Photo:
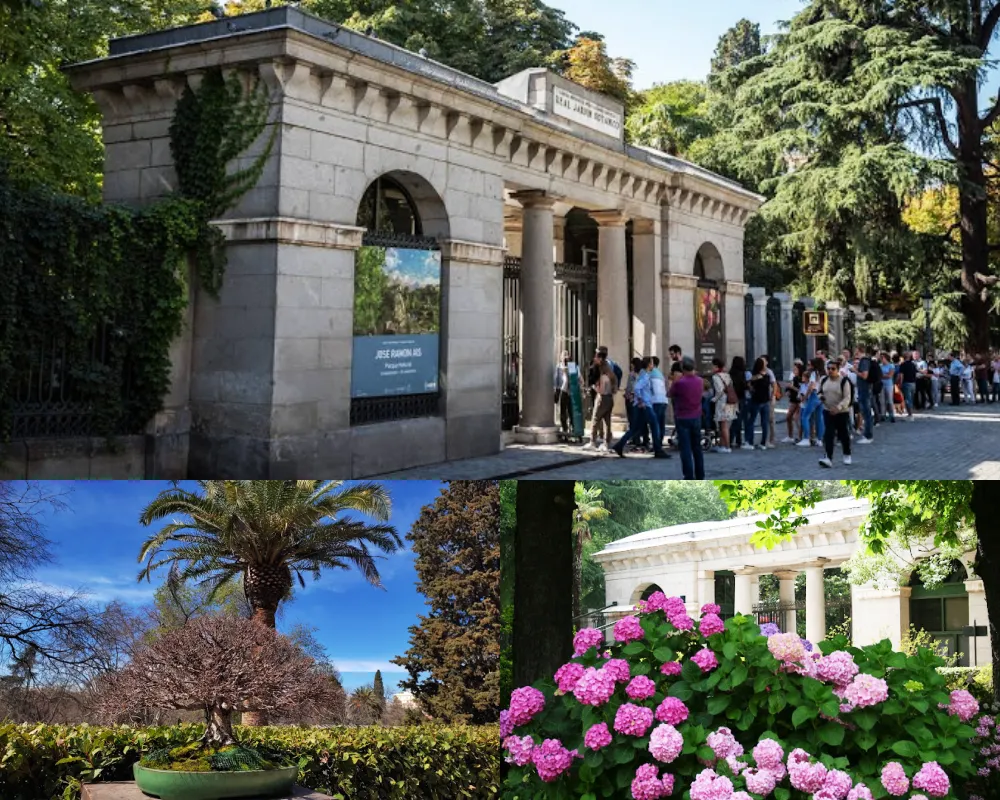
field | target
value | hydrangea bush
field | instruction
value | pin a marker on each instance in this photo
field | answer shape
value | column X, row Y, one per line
column 713, row 710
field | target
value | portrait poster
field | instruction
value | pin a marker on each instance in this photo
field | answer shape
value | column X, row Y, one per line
column 708, row 327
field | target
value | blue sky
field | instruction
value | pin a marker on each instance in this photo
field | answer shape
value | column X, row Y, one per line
column 97, row 539
column 675, row 39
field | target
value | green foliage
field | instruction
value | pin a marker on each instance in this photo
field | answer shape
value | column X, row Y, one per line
column 915, row 640
column 48, row 762
column 670, row 117
column 890, row 334
column 978, row 681
column 751, row 694
column 71, row 281
column 737, row 45
column 212, row 125
column 508, row 523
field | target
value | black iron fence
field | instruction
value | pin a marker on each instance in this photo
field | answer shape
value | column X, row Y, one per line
column 787, row 615
column 774, row 337
column 800, row 344
column 751, row 348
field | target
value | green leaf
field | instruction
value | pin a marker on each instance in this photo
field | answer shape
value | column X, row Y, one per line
column 803, row 714
column 781, row 793
column 633, row 649
column 690, row 672
column 776, row 702
column 664, row 654
column 706, row 753
column 865, row 719
column 906, row 748
column 740, row 674
column 832, row 734
column 896, row 660
column 865, row 739
column 681, row 690
column 730, row 649
column 719, row 703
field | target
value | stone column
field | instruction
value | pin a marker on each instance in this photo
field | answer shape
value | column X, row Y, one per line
column 744, row 593
column 647, row 322
column 815, row 605
column 787, row 334
column 538, row 303
column 706, row 586
column 979, row 648
column 735, row 320
column 612, row 285
column 678, row 310
column 836, row 315
column 559, row 239
column 786, row 596
column 759, row 324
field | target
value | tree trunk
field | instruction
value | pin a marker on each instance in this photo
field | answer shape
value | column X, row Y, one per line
column 543, row 579
column 218, row 727
column 986, row 508
column 577, row 573
column 265, row 616
column 974, row 219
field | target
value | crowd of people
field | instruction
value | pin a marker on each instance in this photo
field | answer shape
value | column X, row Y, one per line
column 830, row 398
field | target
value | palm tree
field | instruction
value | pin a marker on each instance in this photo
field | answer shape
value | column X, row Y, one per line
column 366, row 705
column 588, row 509
column 265, row 531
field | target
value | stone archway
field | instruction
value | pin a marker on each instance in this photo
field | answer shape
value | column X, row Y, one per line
column 643, row 592
column 709, row 307
column 398, row 335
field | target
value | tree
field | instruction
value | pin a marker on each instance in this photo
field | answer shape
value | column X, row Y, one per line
column 671, row 117
column 454, row 653
column 364, row 707
column 737, row 45
column 379, row 688
column 587, row 63
column 543, row 579
column 589, row 508
column 218, row 665
column 265, row 531
column 942, row 510
column 521, row 34
column 862, row 104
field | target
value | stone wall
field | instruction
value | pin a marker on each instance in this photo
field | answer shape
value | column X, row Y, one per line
column 124, row 458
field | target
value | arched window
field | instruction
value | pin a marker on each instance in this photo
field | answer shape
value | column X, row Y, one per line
column 943, row 611
column 387, row 208
column 650, row 591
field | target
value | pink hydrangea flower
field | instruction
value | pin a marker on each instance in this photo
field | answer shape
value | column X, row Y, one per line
column 671, row 668
column 628, row 629
column 598, row 736
column 711, row 608
column 710, row 786
column 519, row 749
column 567, row 675
column 524, row 704
column 894, row 779
column 932, row 779
column 963, row 705
column 760, row 781
column 735, row 765
column 741, row 795
column 722, row 742
column 705, row 659
column 786, row 647
column 837, row 784
column 866, row 690
column 860, row 792
column 657, row 601
column 595, row 687
column 682, row 622
column 665, row 743
column 924, row 797
column 711, row 623
column 837, row 668
column 806, row 777
column 551, row 759
column 585, row 639
column 640, row 688
column 768, row 754
column 648, row 786
column 672, row 711
column 674, row 605
column 618, row 669
column 633, row 720
column 506, row 726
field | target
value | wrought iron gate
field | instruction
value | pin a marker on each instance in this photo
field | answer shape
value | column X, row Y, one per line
column 774, row 337
column 575, row 321
column 800, row 346
column 749, row 329
column 838, row 613
column 851, row 330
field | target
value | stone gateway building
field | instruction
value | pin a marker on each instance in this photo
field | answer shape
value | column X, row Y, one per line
column 420, row 246
column 714, row 562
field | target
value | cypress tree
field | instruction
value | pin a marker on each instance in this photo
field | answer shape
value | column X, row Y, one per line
column 379, row 691
column 454, row 655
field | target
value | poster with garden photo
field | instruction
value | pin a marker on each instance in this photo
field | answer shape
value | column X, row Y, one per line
column 397, row 322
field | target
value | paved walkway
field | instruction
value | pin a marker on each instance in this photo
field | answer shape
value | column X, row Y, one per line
column 946, row 443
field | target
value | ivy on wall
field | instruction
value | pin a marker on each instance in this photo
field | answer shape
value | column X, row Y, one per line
column 93, row 295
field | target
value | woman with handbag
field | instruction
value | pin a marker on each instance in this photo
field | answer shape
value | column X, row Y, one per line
column 727, row 403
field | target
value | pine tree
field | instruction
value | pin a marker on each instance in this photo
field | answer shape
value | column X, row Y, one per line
column 379, row 691
column 454, row 655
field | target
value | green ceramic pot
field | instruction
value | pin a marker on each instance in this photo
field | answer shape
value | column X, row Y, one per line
column 170, row 784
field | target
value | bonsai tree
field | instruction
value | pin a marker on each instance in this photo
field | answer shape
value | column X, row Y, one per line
column 219, row 665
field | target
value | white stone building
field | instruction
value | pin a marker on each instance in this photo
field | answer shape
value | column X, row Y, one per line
column 520, row 187
column 714, row 562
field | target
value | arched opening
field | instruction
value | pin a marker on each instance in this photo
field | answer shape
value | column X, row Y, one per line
column 709, row 308
column 650, row 591
column 397, row 301
column 643, row 592
column 725, row 593
column 943, row 611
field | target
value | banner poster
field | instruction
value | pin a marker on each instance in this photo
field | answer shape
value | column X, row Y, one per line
column 397, row 322
column 708, row 327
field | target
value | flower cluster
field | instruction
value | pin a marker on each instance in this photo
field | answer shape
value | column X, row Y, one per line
column 647, row 785
column 665, row 743
column 628, row 629
column 963, row 705
column 585, row 639
column 672, row 607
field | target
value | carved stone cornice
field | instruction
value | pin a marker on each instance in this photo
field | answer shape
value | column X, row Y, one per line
column 472, row 252
column 290, row 230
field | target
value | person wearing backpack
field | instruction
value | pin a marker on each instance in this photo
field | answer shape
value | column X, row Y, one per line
column 864, row 372
column 727, row 403
column 837, row 395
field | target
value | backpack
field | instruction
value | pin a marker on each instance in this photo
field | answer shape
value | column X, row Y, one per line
column 617, row 370
column 874, row 373
column 731, row 398
column 843, row 380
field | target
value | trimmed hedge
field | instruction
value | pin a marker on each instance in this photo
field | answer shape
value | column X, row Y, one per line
column 48, row 762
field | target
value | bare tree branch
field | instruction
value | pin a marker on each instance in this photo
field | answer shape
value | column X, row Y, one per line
column 935, row 105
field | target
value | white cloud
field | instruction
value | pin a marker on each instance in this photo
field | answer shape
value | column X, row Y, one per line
column 99, row 588
column 361, row 665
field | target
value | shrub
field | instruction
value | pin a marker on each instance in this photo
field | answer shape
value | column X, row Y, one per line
column 668, row 696
column 48, row 762
column 977, row 680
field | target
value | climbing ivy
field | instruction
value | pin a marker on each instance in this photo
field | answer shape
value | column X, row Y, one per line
column 93, row 295
column 212, row 126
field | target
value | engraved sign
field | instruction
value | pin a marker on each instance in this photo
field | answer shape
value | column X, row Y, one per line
column 815, row 323
column 586, row 112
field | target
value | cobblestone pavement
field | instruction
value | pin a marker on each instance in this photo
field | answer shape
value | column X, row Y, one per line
column 946, row 443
